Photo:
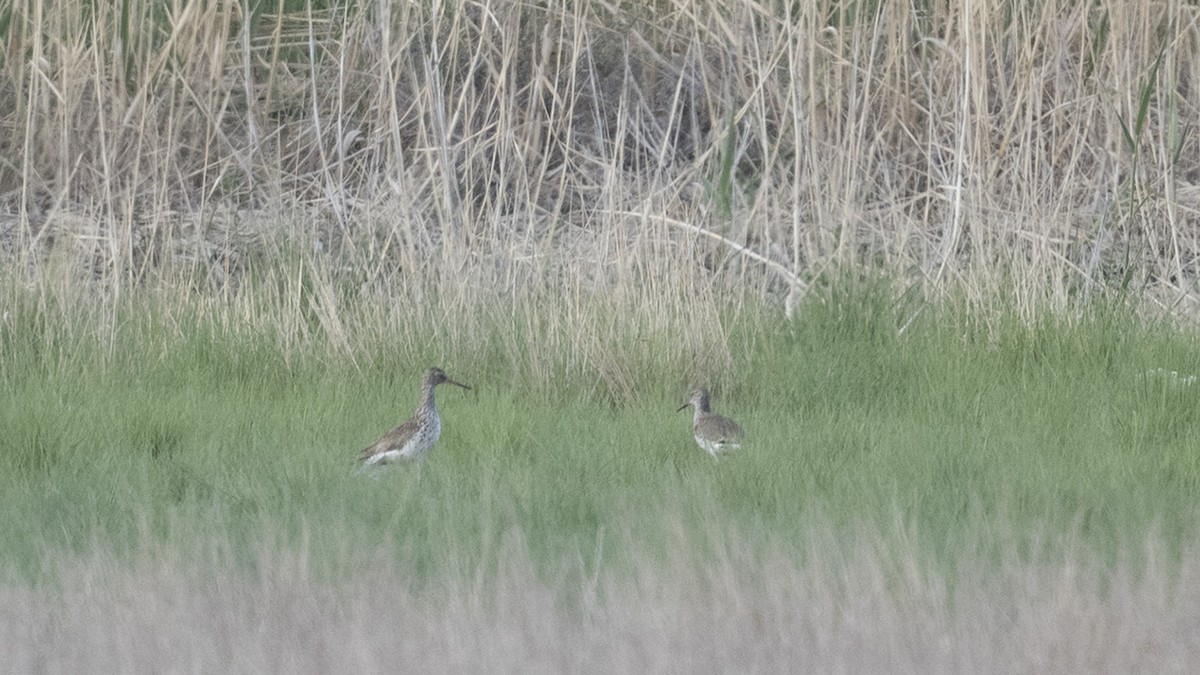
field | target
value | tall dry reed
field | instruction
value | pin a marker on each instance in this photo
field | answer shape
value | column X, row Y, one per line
column 667, row 160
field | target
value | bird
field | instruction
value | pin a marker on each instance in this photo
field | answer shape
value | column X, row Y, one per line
column 412, row 439
column 714, row 433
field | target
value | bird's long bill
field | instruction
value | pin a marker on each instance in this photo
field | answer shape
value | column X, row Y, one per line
column 460, row 384
column 683, row 406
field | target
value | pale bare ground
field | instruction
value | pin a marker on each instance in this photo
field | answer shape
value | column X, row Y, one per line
column 844, row 606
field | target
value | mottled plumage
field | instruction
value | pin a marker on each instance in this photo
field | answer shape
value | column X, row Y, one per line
column 714, row 433
column 413, row 438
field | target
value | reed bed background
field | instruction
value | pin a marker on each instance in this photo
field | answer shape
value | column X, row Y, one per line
column 450, row 156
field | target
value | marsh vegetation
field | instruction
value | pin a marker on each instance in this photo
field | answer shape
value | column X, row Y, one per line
column 938, row 259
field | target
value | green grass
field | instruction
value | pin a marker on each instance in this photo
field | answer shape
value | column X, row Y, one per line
column 193, row 435
column 187, row 435
column 975, row 481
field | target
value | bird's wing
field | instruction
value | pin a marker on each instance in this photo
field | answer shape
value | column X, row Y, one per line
column 731, row 432
column 392, row 440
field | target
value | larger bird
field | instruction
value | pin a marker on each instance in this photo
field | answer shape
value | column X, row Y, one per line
column 413, row 438
column 714, row 433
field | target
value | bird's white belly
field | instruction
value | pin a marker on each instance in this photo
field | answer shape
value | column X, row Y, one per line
column 423, row 440
column 715, row 447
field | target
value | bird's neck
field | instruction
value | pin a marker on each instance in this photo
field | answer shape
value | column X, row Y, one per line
column 427, row 397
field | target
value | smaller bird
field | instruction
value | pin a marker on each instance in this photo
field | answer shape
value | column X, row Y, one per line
column 413, row 438
column 714, row 433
